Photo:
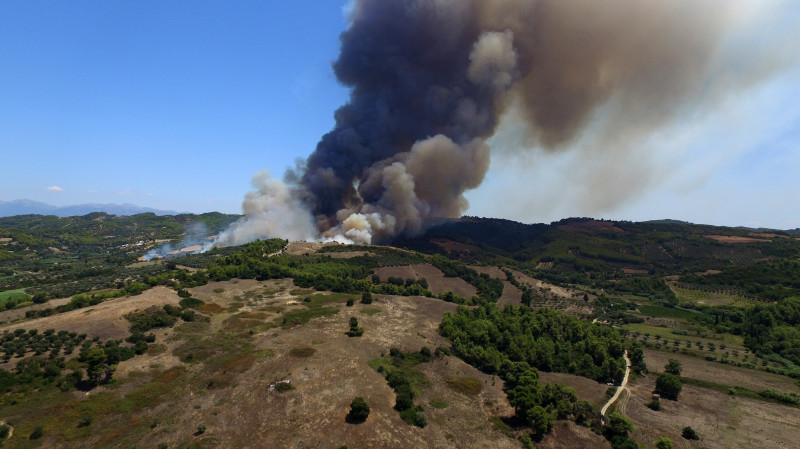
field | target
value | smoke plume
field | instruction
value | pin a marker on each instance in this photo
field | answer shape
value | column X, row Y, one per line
column 430, row 81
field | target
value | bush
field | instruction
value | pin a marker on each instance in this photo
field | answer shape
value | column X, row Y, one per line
column 366, row 298
column 85, row 421
column 359, row 411
column 526, row 441
column 654, row 405
column 420, row 420
column 663, row 443
column 37, row 433
column 690, row 433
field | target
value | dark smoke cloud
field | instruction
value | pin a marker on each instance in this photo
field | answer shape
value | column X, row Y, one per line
column 430, row 81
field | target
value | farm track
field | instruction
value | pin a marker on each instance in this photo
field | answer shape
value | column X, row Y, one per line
column 621, row 387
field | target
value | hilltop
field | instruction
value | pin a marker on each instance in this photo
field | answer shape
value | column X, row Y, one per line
column 479, row 333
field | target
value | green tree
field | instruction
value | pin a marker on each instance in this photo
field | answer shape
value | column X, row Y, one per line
column 663, row 443
column 668, row 385
column 673, row 367
column 542, row 421
column 97, row 368
column 359, row 411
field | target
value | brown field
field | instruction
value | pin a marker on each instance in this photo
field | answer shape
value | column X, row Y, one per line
column 634, row 271
column 437, row 283
column 451, row 246
column 721, row 420
column 104, row 320
column 495, row 272
column 735, row 239
column 536, row 283
column 734, row 376
column 511, row 295
column 568, row 435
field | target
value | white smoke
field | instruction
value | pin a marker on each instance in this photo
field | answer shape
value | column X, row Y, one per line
column 271, row 210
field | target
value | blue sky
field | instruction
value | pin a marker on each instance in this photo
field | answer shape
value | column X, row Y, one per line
column 175, row 105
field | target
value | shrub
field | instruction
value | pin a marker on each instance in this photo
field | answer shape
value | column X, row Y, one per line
column 366, row 298
column 420, row 420
column 655, row 405
column 37, row 433
column 85, row 421
column 690, row 433
column 663, row 443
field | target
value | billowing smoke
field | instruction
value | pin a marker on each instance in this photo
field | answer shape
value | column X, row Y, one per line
column 194, row 241
column 431, row 80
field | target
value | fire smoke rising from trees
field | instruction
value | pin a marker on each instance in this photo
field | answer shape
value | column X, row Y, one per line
column 431, row 80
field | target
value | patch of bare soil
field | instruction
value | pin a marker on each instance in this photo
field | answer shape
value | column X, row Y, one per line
column 708, row 272
column 734, row 376
column 511, row 295
column 587, row 389
column 437, row 282
column 722, row 421
column 735, row 239
column 105, row 320
column 536, row 283
column 634, row 271
column 568, row 435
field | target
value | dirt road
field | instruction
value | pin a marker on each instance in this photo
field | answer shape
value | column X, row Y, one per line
column 621, row 387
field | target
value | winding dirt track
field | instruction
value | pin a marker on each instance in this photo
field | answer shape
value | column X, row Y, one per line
column 621, row 387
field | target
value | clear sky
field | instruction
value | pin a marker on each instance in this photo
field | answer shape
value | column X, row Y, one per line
column 176, row 104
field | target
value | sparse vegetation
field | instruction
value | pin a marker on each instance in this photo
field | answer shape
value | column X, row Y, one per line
column 684, row 296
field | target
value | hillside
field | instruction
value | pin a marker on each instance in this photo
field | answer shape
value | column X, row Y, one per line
column 481, row 333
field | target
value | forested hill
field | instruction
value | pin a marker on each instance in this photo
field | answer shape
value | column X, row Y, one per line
column 585, row 244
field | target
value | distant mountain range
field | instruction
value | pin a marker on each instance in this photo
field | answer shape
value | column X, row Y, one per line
column 28, row 207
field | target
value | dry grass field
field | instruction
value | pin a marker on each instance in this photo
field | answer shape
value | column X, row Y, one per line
column 733, row 376
column 221, row 374
column 721, row 420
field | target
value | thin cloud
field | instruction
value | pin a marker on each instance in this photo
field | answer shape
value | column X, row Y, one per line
column 126, row 192
column 55, row 189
